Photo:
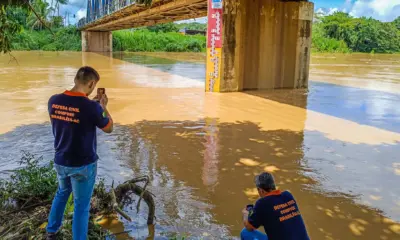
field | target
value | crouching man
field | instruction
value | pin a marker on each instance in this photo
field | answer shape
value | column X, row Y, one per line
column 276, row 211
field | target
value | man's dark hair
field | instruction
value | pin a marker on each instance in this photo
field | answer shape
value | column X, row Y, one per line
column 86, row 74
column 265, row 181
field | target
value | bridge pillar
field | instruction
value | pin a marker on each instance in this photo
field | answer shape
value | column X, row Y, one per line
column 96, row 41
column 258, row 44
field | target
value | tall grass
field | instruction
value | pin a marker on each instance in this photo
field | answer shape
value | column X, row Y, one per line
column 146, row 41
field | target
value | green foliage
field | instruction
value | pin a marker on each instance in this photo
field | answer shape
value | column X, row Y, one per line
column 321, row 43
column 34, row 184
column 146, row 41
column 56, row 22
column 166, row 27
column 65, row 39
column 69, row 208
column 9, row 27
column 336, row 31
column 43, row 10
column 396, row 23
column 192, row 26
column 12, row 2
column 18, row 14
column 31, row 183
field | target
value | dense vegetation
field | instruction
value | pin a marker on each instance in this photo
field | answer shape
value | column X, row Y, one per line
column 338, row 32
column 145, row 40
column 16, row 14
column 25, row 200
column 31, row 33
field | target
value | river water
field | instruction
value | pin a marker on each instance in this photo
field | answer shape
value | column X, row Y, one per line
column 335, row 147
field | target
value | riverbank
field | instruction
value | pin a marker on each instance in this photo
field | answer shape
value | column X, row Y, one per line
column 144, row 40
column 27, row 196
column 69, row 39
column 336, row 33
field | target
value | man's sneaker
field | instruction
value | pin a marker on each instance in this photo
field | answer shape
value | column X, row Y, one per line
column 51, row 236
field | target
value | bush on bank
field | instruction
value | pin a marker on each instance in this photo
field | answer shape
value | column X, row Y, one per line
column 64, row 39
column 146, row 41
column 25, row 201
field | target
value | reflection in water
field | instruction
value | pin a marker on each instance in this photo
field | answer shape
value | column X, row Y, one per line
column 192, row 70
column 210, row 167
column 335, row 147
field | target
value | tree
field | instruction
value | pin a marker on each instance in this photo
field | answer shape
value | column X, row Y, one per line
column 193, row 26
column 43, row 10
column 165, row 27
column 9, row 23
column 359, row 34
column 396, row 22
column 8, row 29
column 58, row 3
column 56, row 22
column 19, row 14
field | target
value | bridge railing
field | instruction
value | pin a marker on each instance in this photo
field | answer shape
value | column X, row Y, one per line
column 101, row 9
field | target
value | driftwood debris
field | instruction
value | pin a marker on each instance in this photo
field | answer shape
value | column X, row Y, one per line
column 123, row 191
column 27, row 222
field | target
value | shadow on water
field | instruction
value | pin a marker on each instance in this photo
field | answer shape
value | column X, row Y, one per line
column 363, row 106
column 202, row 175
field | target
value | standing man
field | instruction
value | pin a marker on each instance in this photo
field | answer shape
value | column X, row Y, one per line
column 276, row 211
column 74, row 118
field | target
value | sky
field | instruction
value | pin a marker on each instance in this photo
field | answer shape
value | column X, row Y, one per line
column 384, row 10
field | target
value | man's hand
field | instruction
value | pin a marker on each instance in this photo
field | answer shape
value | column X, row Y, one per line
column 104, row 101
column 246, row 223
column 245, row 214
column 103, row 104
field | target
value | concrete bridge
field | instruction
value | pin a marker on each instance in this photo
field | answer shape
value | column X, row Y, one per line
column 251, row 44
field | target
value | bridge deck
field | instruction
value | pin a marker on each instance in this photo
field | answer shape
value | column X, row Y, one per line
column 161, row 11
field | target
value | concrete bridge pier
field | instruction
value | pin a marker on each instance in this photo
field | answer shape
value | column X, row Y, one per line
column 96, row 41
column 258, row 44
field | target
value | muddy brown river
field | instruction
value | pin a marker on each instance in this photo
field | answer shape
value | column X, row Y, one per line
column 336, row 147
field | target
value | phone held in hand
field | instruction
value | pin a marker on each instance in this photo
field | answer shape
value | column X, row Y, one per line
column 250, row 207
column 100, row 93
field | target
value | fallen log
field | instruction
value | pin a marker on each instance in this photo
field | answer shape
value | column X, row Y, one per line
column 123, row 190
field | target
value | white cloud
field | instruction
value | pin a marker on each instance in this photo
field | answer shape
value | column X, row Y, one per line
column 74, row 7
column 384, row 10
column 333, row 10
column 328, row 11
column 81, row 13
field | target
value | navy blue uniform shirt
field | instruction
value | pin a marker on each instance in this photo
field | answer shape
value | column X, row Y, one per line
column 279, row 214
column 74, row 119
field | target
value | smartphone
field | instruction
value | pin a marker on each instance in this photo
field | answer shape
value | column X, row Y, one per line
column 100, row 92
